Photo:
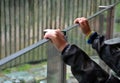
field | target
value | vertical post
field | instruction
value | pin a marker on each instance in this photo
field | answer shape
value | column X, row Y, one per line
column 56, row 69
column 55, row 66
column 109, row 29
column 101, row 21
column 110, row 23
column 109, row 20
column 101, row 28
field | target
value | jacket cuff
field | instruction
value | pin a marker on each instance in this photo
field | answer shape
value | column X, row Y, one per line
column 66, row 48
column 90, row 38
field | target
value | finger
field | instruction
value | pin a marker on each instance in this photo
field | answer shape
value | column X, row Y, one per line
column 77, row 20
column 49, row 34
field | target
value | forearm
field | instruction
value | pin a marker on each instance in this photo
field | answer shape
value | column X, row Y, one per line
column 83, row 68
column 107, row 52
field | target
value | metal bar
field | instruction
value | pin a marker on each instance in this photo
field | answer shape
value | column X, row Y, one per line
column 101, row 19
column 101, row 23
column 25, row 50
column 94, row 15
column 55, row 64
column 110, row 21
column 21, row 52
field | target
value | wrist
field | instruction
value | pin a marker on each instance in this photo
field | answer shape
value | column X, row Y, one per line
column 62, row 47
column 91, row 36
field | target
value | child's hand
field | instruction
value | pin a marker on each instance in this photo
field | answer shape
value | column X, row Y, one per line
column 84, row 25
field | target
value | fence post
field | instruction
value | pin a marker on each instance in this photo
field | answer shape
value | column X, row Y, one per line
column 101, row 20
column 56, row 69
column 110, row 23
column 109, row 29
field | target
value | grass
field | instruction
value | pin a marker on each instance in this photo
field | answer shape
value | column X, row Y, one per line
column 24, row 67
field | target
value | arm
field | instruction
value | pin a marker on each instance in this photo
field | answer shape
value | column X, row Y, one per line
column 108, row 53
column 83, row 68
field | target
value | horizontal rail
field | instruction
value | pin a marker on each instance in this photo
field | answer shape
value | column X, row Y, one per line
column 94, row 15
column 108, row 7
column 23, row 51
column 27, row 49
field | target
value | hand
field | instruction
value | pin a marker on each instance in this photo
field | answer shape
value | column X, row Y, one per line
column 57, row 38
column 84, row 25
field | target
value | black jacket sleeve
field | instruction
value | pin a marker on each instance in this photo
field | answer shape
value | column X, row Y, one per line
column 109, row 53
column 83, row 68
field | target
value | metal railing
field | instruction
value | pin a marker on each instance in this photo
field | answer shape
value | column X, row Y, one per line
column 27, row 49
column 54, row 60
column 49, row 53
column 22, row 21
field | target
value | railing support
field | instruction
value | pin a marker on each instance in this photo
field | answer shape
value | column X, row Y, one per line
column 56, row 69
column 109, row 29
column 110, row 23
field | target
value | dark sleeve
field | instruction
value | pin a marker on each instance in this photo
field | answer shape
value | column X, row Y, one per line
column 108, row 53
column 83, row 68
